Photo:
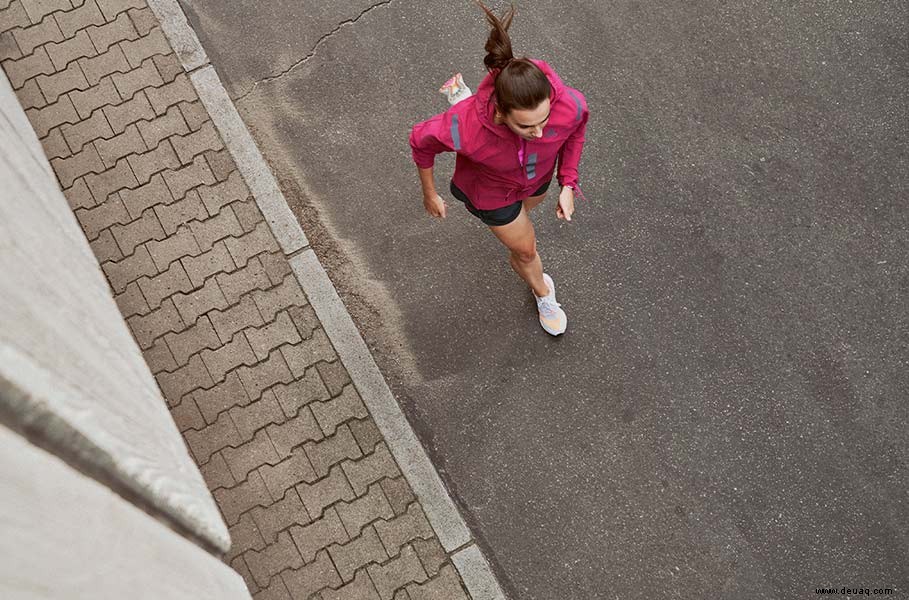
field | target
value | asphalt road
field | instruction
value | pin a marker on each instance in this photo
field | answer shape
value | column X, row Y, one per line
column 727, row 415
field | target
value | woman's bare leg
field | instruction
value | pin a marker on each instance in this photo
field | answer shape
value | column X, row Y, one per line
column 518, row 236
column 532, row 202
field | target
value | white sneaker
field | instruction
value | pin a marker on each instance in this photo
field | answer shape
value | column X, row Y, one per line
column 455, row 90
column 552, row 317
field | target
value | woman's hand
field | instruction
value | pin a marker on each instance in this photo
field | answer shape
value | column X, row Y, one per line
column 435, row 206
column 565, row 208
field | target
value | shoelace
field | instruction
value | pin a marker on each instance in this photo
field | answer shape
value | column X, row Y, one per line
column 549, row 308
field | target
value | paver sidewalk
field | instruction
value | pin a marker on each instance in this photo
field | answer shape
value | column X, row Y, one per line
column 316, row 504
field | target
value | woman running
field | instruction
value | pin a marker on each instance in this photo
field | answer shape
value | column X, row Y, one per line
column 508, row 137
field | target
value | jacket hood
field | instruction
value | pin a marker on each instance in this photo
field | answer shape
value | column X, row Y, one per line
column 485, row 103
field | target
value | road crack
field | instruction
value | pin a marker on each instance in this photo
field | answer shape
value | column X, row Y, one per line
column 312, row 51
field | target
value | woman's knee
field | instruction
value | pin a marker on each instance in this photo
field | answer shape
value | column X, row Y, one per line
column 525, row 254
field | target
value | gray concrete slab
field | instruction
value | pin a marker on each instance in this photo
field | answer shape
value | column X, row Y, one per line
column 726, row 417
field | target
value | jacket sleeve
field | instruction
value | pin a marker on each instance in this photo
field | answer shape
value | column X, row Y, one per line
column 429, row 138
column 570, row 154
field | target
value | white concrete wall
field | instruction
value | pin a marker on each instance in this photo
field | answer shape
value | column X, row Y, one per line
column 71, row 374
column 67, row 537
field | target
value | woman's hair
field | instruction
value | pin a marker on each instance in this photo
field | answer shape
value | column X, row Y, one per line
column 519, row 84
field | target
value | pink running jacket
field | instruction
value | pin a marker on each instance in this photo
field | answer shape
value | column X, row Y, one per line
column 495, row 167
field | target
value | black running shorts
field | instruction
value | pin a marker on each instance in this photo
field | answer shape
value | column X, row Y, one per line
column 498, row 216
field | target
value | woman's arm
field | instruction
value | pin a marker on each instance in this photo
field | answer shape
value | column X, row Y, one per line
column 570, row 154
column 432, row 202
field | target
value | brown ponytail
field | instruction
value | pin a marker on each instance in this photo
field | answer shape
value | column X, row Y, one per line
column 519, row 83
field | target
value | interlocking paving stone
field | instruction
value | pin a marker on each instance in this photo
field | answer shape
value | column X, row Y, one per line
column 132, row 111
column 361, row 588
column 87, row 130
column 313, row 577
column 358, row 553
column 363, row 510
column 187, row 416
column 149, row 327
column 248, row 245
column 248, row 214
column 196, row 303
column 168, row 65
column 301, row 356
column 304, row 317
column 249, row 455
column 228, row 357
column 174, row 247
column 370, row 469
column 138, row 50
column 195, row 114
column 21, row 70
column 334, row 375
column 288, row 473
column 242, row 497
column 146, row 77
column 277, row 590
column 131, row 301
column 30, row 95
column 159, row 358
column 53, row 115
column 118, row 30
column 235, row 318
column 293, row 432
column 273, row 559
column 325, row 492
column 62, row 53
column 195, row 144
column 157, row 288
column 273, row 335
column 446, row 586
column 332, row 450
column 14, row 15
column 9, row 49
column 344, row 407
column 115, row 148
column 121, row 273
column 399, row 494
column 216, row 436
column 246, row 535
column 185, row 379
column 111, row 8
column 402, row 595
column 106, row 63
column 79, row 164
column 227, row 394
column 244, row 280
column 185, row 178
column 105, row 247
column 159, row 128
column 367, row 434
column 278, row 298
column 397, row 573
column 302, row 391
column 88, row 100
column 31, row 37
column 257, row 415
column 68, row 80
column 432, row 554
column 81, row 17
column 38, row 9
column 220, row 161
column 279, row 516
column 153, row 162
column 403, row 529
column 144, row 20
column 137, row 232
column 219, row 227
column 78, row 195
column 112, row 180
column 217, row 260
column 98, row 218
column 179, row 90
column 191, row 340
column 320, row 534
column 231, row 190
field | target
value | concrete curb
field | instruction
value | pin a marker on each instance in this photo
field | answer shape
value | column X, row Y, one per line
column 440, row 509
